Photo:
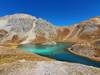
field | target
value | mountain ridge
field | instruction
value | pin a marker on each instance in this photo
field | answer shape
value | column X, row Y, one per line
column 34, row 29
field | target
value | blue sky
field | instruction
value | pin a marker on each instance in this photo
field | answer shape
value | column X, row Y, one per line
column 58, row 12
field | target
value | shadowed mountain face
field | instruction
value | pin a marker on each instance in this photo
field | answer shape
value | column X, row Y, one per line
column 23, row 28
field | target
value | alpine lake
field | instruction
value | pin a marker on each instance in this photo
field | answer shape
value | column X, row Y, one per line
column 58, row 52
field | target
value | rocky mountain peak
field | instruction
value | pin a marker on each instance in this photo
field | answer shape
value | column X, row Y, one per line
column 26, row 25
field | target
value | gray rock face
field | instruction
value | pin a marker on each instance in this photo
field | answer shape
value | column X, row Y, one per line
column 17, row 24
column 47, row 68
column 45, row 27
column 25, row 27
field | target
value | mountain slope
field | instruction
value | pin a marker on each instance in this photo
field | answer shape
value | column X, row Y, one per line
column 86, row 31
column 26, row 28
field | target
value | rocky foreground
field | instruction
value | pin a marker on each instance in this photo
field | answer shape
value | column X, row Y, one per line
column 23, row 67
column 18, row 62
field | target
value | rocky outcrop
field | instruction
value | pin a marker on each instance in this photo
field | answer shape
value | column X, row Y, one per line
column 85, row 51
column 47, row 68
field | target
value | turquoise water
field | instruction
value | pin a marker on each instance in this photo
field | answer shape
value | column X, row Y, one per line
column 58, row 52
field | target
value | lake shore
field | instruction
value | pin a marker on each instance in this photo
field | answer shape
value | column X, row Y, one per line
column 20, row 62
column 8, row 55
column 91, row 58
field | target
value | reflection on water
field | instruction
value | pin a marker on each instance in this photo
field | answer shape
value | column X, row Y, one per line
column 58, row 52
